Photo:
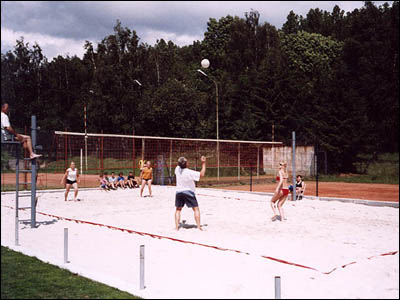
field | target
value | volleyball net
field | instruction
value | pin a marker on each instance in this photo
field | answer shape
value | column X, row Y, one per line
column 96, row 153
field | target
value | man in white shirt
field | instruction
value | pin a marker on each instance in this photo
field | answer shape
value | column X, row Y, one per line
column 185, row 188
column 24, row 139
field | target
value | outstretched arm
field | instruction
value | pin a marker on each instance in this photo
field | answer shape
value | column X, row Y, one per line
column 203, row 166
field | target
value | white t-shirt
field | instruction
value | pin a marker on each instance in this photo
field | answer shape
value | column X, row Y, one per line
column 185, row 179
column 5, row 122
column 72, row 174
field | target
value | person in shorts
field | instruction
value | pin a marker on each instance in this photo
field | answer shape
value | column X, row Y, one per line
column 71, row 178
column 103, row 183
column 131, row 181
column 185, row 189
column 121, row 180
column 6, row 128
column 147, row 177
column 113, row 181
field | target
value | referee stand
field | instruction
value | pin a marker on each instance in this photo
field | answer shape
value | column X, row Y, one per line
column 9, row 139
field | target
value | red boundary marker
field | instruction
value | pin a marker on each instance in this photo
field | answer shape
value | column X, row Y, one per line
column 200, row 244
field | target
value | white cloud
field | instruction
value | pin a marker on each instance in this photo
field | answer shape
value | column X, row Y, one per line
column 151, row 36
column 51, row 46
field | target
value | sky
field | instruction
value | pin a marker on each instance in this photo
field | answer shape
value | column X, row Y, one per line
column 62, row 27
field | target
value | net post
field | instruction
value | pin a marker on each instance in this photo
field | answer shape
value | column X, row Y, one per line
column 34, row 173
column 277, row 287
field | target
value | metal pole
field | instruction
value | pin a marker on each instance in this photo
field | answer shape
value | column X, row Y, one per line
column 143, row 149
column 81, row 160
column 251, row 178
column 85, row 138
column 65, row 245
column 294, row 164
column 316, row 167
column 216, row 97
column 273, row 150
column 33, row 174
column 142, row 267
column 258, row 162
column 16, row 195
column 238, row 161
column 170, row 158
column 277, row 287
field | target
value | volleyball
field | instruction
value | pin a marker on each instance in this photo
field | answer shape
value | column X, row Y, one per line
column 205, row 63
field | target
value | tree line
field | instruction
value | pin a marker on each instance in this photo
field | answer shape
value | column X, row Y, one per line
column 331, row 77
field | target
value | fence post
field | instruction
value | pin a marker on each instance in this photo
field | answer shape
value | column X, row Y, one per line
column 251, row 178
column 294, row 164
column 238, row 161
column 277, row 287
column 142, row 267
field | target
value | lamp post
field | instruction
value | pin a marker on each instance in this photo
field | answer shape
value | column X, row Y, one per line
column 85, row 120
column 216, row 100
column 133, row 118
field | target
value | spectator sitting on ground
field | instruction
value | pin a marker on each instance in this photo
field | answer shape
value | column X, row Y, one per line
column 300, row 185
column 103, row 182
column 131, row 181
column 109, row 184
column 121, row 180
column 113, row 181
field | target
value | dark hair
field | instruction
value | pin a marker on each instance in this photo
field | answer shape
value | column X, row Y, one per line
column 299, row 176
column 3, row 104
column 182, row 162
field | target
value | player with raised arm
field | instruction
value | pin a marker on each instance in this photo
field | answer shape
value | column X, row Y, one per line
column 185, row 189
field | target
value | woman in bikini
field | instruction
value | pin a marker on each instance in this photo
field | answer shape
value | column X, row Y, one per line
column 281, row 192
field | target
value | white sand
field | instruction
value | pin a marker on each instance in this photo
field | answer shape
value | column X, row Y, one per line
column 318, row 234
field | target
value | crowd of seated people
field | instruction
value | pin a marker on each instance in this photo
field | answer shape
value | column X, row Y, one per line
column 113, row 182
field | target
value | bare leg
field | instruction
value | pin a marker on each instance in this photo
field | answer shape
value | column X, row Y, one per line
column 68, row 186
column 177, row 217
column 142, row 187
column 27, row 144
column 280, row 208
column 149, row 185
column 196, row 211
column 75, row 185
column 274, row 200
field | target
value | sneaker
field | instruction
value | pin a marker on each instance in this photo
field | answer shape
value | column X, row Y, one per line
column 34, row 155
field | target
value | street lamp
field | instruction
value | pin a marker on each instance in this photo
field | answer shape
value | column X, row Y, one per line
column 216, row 100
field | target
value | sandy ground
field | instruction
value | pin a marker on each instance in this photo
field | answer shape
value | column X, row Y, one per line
column 318, row 234
column 379, row 192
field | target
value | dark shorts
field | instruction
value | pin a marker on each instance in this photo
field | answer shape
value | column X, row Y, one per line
column 147, row 179
column 186, row 197
column 70, row 182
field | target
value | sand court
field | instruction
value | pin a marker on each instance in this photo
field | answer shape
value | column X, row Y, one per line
column 238, row 254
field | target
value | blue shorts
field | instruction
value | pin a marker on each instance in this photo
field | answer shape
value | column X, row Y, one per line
column 185, row 197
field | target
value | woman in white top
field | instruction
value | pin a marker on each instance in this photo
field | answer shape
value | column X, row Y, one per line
column 71, row 177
